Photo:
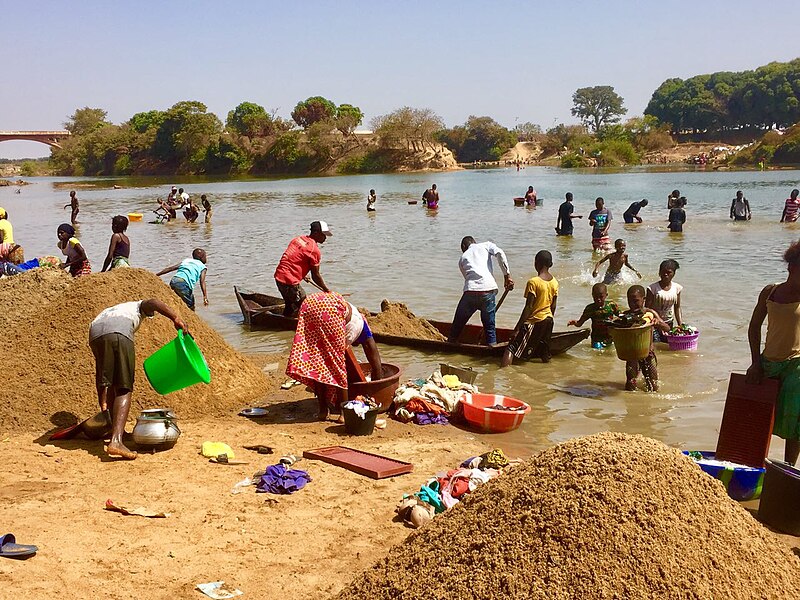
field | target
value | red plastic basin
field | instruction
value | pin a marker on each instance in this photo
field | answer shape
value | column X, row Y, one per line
column 478, row 412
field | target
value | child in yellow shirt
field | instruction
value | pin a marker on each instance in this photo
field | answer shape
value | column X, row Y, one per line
column 531, row 337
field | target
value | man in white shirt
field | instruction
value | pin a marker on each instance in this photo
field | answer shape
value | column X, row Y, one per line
column 111, row 340
column 480, row 288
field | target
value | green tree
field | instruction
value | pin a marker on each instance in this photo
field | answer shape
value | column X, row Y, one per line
column 480, row 138
column 183, row 138
column 597, row 106
column 250, row 119
column 85, row 120
column 313, row 110
column 141, row 122
column 348, row 117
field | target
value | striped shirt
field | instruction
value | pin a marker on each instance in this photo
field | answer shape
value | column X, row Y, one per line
column 791, row 210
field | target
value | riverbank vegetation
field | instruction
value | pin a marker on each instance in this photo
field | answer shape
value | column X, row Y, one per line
column 323, row 137
column 762, row 99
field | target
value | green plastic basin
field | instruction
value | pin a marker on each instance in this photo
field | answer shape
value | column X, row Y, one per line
column 176, row 365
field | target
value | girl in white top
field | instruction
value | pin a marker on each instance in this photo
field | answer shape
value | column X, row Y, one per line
column 664, row 296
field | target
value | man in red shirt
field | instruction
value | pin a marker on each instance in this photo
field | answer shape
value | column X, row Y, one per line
column 301, row 257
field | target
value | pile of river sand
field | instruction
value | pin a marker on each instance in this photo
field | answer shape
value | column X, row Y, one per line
column 48, row 367
column 396, row 319
column 605, row 516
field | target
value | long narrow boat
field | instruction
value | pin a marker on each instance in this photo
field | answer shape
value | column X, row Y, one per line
column 261, row 311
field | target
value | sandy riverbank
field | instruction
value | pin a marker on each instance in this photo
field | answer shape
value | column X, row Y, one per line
column 307, row 545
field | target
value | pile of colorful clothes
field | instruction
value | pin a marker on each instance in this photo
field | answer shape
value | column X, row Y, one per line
column 445, row 490
column 430, row 401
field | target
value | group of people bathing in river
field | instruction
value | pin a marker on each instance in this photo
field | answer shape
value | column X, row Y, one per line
column 176, row 199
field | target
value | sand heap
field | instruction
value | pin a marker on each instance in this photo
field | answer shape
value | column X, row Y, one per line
column 605, row 516
column 396, row 319
column 48, row 366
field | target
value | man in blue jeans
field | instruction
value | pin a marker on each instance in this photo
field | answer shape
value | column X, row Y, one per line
column 480, row 288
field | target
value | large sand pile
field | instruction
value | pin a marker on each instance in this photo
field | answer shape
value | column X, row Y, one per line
column 47, row 365
column 396, row 319
column 605, row 516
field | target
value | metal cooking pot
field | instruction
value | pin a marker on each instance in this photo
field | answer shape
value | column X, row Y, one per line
column 156, row 427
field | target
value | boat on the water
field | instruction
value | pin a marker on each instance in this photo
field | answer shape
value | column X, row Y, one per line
column 261, row 311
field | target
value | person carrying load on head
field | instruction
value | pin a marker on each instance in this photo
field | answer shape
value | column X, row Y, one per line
column 301, row 257
column 327, row 325
column 480, row 287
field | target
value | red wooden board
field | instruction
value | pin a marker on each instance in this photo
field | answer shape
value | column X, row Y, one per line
column 354, row 372
column 746, row 428
column 363, row 463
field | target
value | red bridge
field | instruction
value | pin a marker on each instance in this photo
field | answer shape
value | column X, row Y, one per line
column 51, row 138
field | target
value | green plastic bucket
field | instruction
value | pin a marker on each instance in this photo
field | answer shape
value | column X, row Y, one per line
column 176, row 365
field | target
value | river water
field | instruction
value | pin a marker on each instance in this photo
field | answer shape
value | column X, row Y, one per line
column 403, row 253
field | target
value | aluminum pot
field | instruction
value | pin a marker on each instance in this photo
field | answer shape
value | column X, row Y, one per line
column 157, row 428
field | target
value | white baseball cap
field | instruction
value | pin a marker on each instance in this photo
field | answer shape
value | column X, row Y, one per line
column 321, row 227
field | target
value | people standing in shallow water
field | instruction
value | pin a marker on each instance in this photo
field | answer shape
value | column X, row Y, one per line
column 648, row 365
column 564, row 221
column 677, row 216
column 664, row 296
column 119, row 248
column 600, row 311
column 779, row 304
column 530, row 197
column 616, row 260
column 600, row 220
column 792, row 208
column 371, row 200
column 740, row 208
column 74, row 205
column 531, row 336
column 206, row 207
column 430, row 198
column 631, row 215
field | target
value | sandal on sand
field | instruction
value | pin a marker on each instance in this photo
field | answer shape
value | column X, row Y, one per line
column 10, row 549
column 289, row 383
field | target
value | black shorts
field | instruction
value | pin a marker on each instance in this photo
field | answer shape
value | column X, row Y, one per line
column 533, row 341
column 115, row 361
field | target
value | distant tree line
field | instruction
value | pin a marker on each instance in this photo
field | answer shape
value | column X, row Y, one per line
column 764, row 98
column 186, row 138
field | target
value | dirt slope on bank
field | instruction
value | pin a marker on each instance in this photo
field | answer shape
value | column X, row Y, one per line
column 604, row 516
column 48, row 367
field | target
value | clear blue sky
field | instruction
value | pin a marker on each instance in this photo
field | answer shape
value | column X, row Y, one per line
column 513, row 61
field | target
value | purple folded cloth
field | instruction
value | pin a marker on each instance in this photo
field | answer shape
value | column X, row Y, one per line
column 430, row 419
column 277, row 479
